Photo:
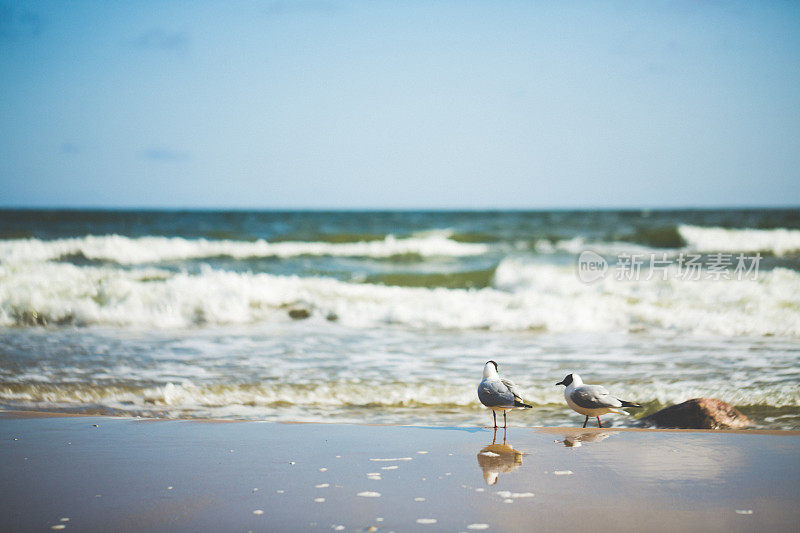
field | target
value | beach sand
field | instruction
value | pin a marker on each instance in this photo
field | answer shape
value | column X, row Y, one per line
column 122, row 474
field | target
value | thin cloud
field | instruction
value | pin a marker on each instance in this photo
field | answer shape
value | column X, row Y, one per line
column 70, row 148
column 283, row 7
column 18, row 24
column 158, row 39
column 165, row 155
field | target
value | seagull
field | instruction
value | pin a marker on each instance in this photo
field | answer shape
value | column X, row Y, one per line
column 498, row 394
column 591, row 400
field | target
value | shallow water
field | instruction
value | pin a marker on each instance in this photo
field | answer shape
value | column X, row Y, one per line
column 389, row 317
column 119, row 474
column 305, row 371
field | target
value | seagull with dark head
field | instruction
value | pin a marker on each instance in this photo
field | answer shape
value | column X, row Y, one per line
column 498, row 394
column 591, row 400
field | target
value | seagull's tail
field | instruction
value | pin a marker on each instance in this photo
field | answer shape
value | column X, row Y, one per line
column 629, row 404
column 518, row 403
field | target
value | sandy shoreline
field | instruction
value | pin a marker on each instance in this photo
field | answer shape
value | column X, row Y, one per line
column 126, row 474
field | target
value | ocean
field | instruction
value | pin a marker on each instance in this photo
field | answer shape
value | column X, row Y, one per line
column 388, row 317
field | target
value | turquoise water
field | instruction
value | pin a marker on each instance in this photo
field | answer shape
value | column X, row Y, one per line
column 389, row 316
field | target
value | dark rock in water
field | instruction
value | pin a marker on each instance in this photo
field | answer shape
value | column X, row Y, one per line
column 299, row 314
column 31, row 318
column 698, row 413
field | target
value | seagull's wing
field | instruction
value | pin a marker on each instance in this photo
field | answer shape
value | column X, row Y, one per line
column 512, row 388
column 495, row 393
column 593, row 397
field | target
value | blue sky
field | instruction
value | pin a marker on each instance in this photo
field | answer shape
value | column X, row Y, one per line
column 399, row 104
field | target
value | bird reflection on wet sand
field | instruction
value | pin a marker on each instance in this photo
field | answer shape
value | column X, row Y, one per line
column 495, row 459
column 576, row 440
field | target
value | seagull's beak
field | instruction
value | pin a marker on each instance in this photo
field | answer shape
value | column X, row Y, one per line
column 560, row 383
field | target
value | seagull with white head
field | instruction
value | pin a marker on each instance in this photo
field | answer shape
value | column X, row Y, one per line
column 498, row 394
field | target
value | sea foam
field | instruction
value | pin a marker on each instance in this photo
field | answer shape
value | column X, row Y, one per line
column 778, row 241
column 272, row 400
column 523, row 296
column 132, row 251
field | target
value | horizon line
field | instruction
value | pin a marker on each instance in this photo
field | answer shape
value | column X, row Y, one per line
column 396, row 209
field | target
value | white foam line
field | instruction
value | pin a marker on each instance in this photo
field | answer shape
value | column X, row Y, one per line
column 514, row 495
column 779, row 241
column 128, row 250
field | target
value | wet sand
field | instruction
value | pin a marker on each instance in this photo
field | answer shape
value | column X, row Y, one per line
column 104, row 474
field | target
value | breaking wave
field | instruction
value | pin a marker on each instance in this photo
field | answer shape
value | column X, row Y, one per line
column 307, row 402
column 779, row 241
column 522, row 296
column 133, row 251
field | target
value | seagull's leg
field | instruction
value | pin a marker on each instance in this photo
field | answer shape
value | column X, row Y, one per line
column 505, row 424
column 598, row 422
column 494, row 416
column 494, row 437
column 586, row 421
